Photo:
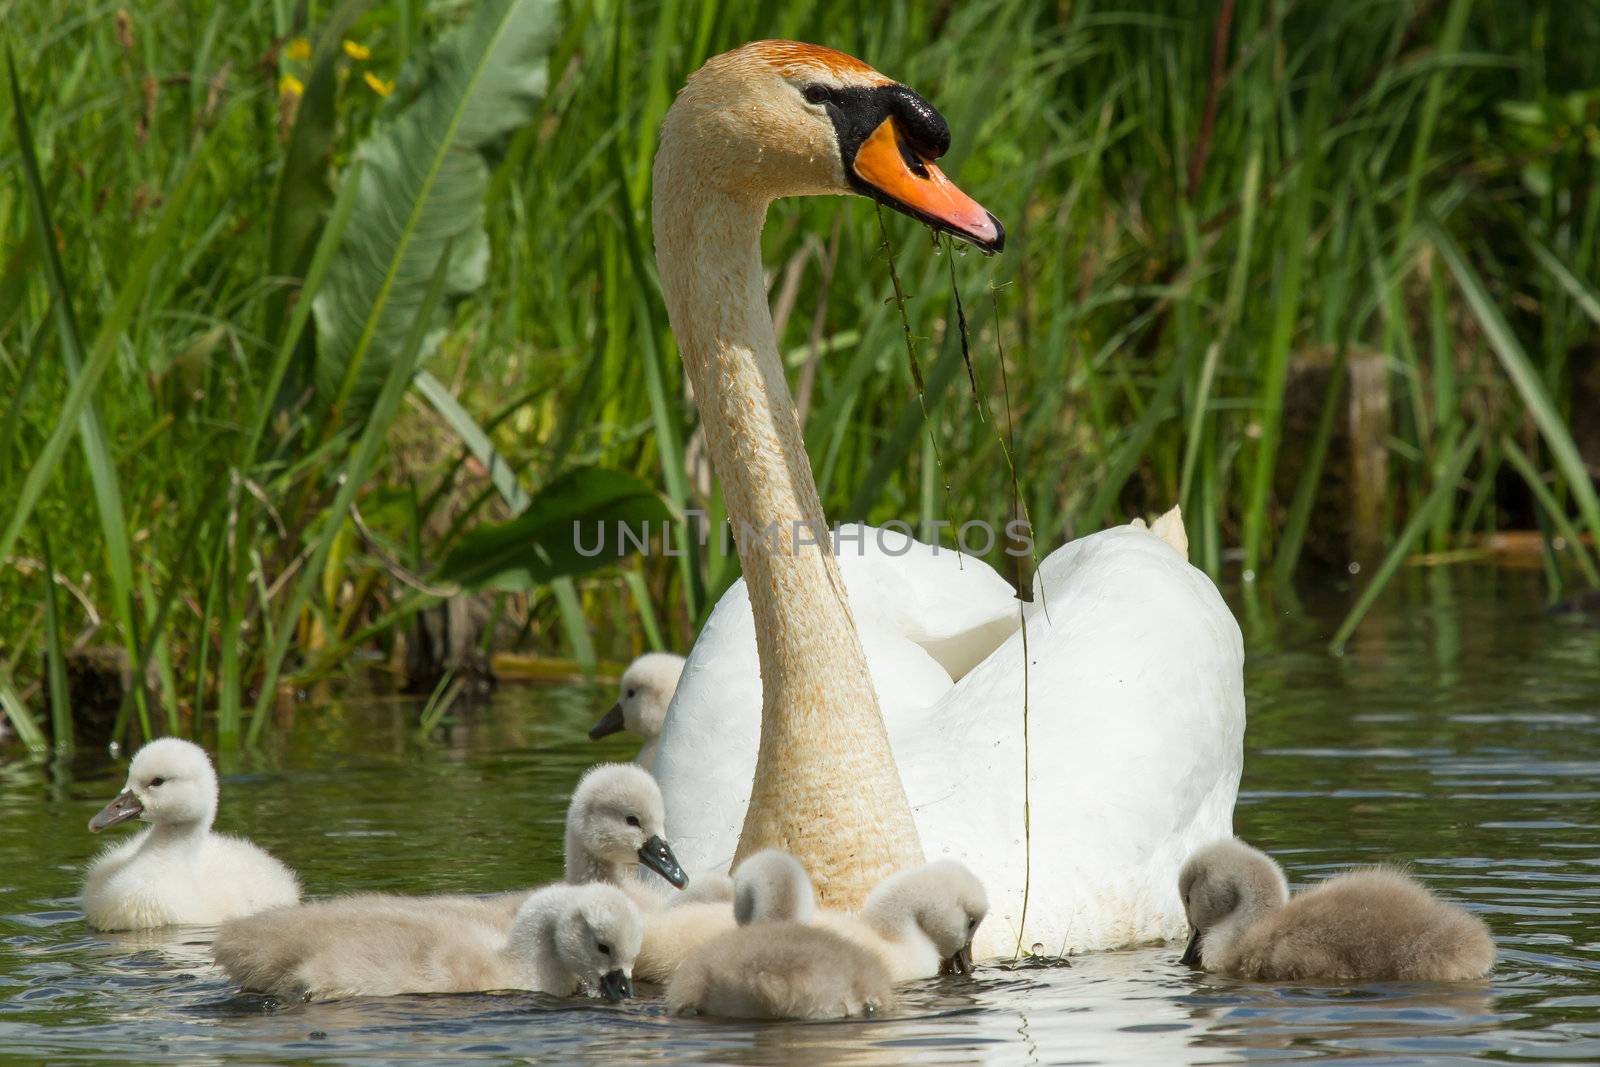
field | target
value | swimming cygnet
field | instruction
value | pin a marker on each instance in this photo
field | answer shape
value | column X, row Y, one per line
column 177, row 871
column 385, row 946
column 774, row 965
column 920, row 921
column 615, row 822
column 1365, row 925
column 642, row 698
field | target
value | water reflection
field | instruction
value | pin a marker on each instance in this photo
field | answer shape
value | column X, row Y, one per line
column 1460, row 733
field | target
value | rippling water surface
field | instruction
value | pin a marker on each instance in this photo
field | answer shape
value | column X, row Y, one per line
column 1459, row 734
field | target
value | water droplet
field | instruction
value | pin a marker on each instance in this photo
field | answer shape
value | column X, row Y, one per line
column 938, row 249
column 1037, row 949
column 1354, row 567
column 962, row 248
column 1249, row 576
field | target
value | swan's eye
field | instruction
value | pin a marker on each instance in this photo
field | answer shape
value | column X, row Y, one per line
column 630, row 693
column 605, row 949
column 157, row 781
column 972, row 924
column 816, row 94
column 633, row 820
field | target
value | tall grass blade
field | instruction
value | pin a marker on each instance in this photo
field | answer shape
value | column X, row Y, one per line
column 1524, row 377
column 21, row 719
column 501, row 474
column 104, row 348
column 1552, row 508
column 1414, row 529
column 55, row 658
column 102, row 469
column 357, row 466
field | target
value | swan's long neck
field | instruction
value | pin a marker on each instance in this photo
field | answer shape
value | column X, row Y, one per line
column 826, row 787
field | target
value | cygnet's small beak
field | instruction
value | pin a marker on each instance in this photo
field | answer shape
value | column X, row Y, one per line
column 960, row 963
column 655, row 854
column 610, row 723
column 125, row 807
column 615, row 985
column 1191, row 952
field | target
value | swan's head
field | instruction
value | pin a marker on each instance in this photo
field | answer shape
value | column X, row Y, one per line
column 943, row 900
column 170, row 782
column 1226, row 886
column 772, row 886
column 642, row 697
column 781, row 118
column 617, row 816
column 597, row 933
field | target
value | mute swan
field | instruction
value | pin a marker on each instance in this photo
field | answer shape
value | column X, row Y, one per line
column 1133, row 686
column 642, row 697
column 774, row 965
column 177, row 871
column 920, row 922
column 385, row 946
column 1371, row 925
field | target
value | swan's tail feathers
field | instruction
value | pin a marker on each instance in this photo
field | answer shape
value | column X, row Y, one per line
column 1169, row 528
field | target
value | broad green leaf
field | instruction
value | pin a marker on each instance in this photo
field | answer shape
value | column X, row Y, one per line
column 570, row 526
column 421, row 192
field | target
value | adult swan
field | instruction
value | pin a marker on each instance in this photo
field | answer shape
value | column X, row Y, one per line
column 1135, row 706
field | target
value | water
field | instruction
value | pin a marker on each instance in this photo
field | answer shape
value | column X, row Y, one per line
column 1459, row 733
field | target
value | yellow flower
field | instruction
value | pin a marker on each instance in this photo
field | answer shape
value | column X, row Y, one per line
column 299, row 48
column 356, row 51
column 289, row 85
column 377, row 84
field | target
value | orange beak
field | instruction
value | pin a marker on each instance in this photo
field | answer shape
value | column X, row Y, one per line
column 912, row 184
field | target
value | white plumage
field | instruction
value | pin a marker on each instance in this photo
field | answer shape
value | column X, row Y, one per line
column 1135, row 716
column 178, row 871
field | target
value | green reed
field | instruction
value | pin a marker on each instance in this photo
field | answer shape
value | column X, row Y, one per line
column 1411, row 183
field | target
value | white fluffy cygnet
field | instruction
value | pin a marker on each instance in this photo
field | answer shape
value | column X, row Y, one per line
column 1365, row 925
column 920, row 921
column 178, row 871
column 774, row 965
column 642, row 698
column 385, row 946
column 616, row 823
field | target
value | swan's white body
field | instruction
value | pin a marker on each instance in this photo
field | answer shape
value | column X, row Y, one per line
column 1135, row 717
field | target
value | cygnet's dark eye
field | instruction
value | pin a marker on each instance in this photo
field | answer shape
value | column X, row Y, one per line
column 631, row 692
column 157, row 781
column 816, row 94
column 605, row 949
column 633, row 820
column 972, row 924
